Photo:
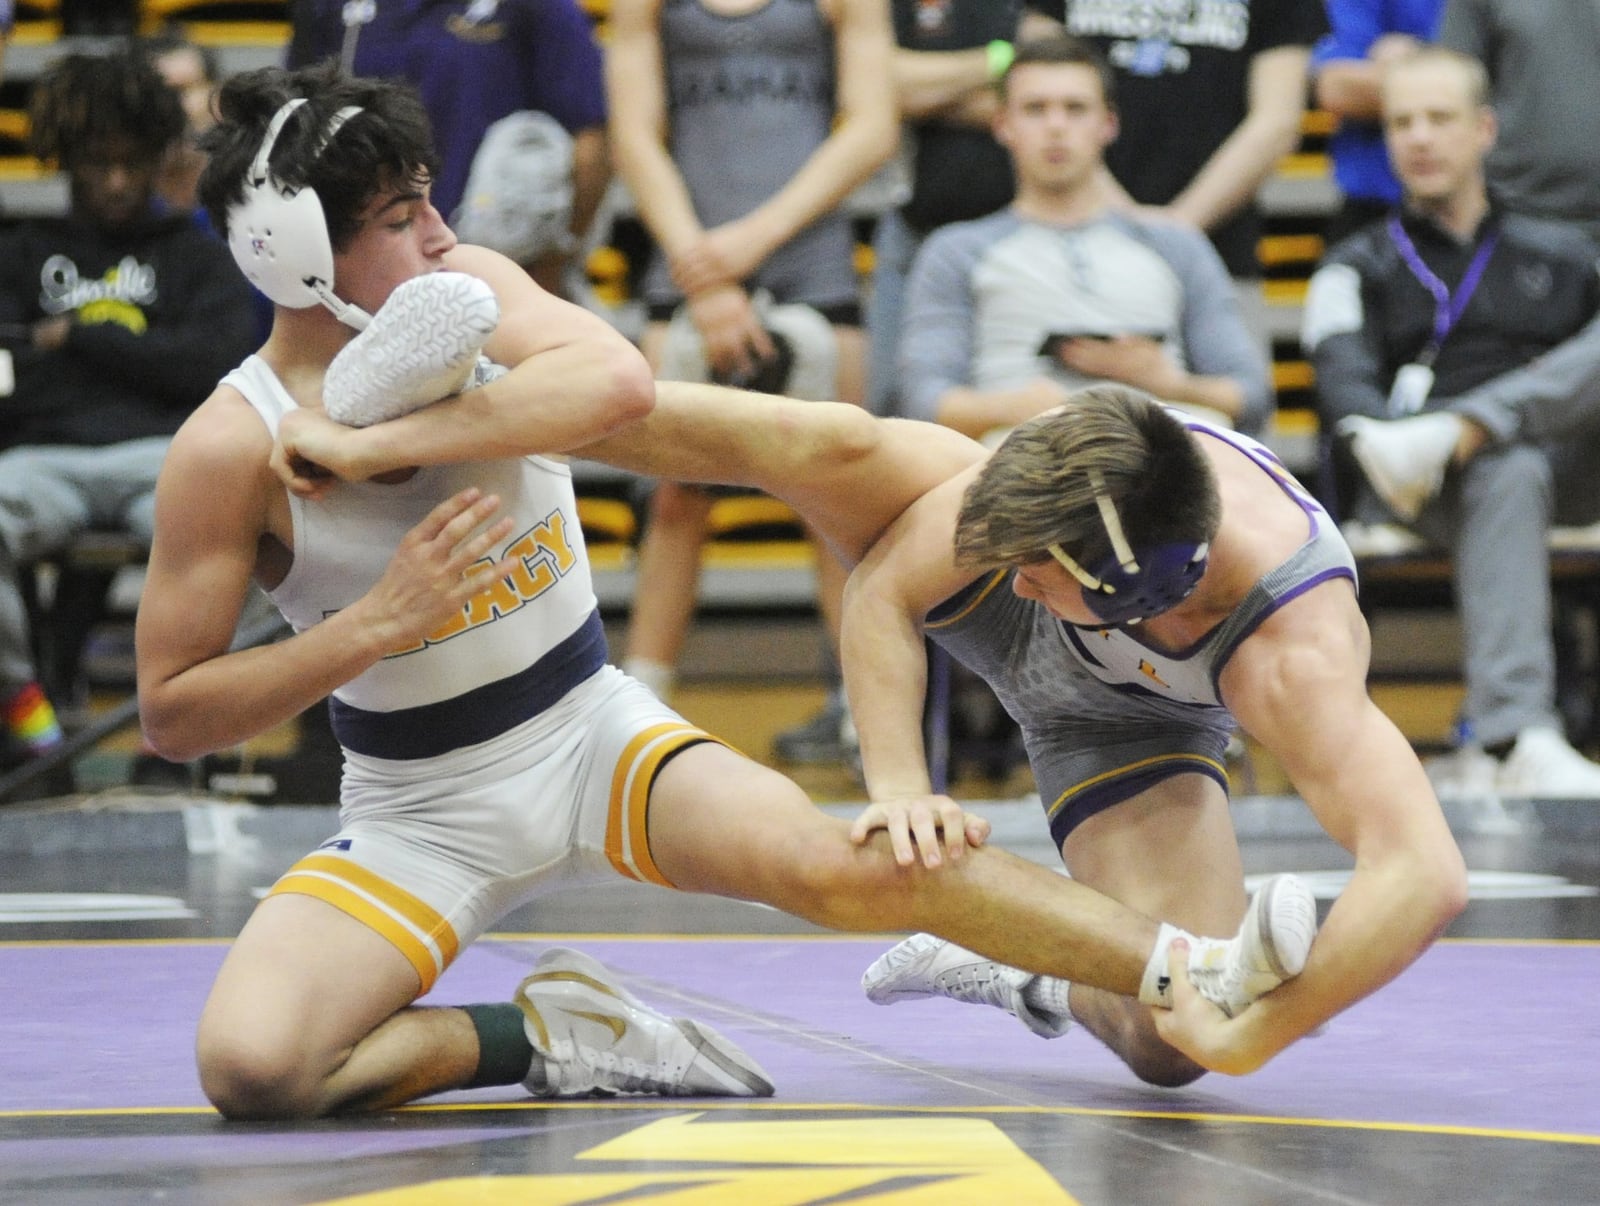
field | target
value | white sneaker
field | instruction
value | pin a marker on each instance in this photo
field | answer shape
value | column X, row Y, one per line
column 592, row 1035
column 1271, row 946
column 422, row 345
column 1403, row 459
column 1541, row 765
column 925, row 966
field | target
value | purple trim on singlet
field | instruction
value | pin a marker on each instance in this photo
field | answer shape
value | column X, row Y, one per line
column 1268, row 461
column 1226, row 651
column 1119, row 787
column 477, row 715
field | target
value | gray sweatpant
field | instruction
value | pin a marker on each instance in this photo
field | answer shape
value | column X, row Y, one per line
column 48, row 495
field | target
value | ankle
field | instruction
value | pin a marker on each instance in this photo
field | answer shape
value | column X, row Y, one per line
column 1156, row 986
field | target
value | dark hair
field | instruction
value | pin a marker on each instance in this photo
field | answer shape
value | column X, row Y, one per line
column 170, row 39
column 1063, row 48
column 83, row 101
column 1038, row 488
column 387, row 145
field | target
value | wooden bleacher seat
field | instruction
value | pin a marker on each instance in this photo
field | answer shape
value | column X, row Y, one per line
column 1401, row 570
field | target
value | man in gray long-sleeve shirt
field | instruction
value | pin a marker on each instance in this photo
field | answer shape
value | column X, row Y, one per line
column 1488, row 324
column 1006, row 315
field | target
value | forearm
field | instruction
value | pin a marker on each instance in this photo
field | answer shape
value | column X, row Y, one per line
column 845, row 159
column 1387, row 916
column 1348, row 88
column 1552, row 397
column 560, row 400
column 885, row 674
column 973, row 412
column 1218, row 393
column 929, row 82
column 660, row 196
column 231, row 698
column 1230, row 179
column 591, row 174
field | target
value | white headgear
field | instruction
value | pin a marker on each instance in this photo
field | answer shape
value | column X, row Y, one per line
column 279, row 235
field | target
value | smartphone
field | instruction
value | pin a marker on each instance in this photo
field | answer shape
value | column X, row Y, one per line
column 1050, row 345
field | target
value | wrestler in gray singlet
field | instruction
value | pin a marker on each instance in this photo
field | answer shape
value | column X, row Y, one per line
column 1104, row 716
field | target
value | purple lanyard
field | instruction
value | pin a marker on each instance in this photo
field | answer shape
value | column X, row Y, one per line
column 1447, row 307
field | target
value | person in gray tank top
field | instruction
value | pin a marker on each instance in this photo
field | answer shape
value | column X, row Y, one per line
column 738, row 127
column 1132, row 583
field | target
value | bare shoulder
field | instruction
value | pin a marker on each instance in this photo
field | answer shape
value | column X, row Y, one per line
column 1311, row 648
column 531, row 319
column 217, row 468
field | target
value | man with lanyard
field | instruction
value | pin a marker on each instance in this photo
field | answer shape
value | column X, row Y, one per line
column 1457, row 350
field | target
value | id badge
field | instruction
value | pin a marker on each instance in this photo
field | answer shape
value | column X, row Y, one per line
column 1412, row 385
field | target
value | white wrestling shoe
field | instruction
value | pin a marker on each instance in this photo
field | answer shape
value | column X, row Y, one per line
column 590, row 1035
column 1271, row 946
column 422, row 345
column 925, row 966
column 1403, row 459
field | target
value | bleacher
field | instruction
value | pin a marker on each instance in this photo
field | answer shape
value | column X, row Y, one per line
column 757, row 558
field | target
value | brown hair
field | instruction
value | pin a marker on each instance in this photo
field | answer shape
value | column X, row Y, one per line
column 1063, row 48
column 1038, row 488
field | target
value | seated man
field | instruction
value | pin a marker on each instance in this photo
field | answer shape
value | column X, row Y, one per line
column 1006, row 314
column 1457, row 348
column 431, row 566
column 120, row 317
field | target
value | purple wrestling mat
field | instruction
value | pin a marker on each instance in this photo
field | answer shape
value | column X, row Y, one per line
column 1495, row 1036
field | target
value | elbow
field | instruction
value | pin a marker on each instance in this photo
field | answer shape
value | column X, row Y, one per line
column 632, row 391
column 166, row 736
column 1438, row 876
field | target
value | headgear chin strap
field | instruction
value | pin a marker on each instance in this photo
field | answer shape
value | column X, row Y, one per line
column 279, row 235
column 1121, row 590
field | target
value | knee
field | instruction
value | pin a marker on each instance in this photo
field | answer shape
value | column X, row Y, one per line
column 247, row 1079
column 1156, row 1063
column 854, row 889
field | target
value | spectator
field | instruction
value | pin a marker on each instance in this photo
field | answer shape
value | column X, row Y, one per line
column 1006, row 315
column 122, row 317
column 1541, row 60
column 1489, row 324
column 477, row 62
column 1211, row 96
column 1346, row 68
column 739, row 128
column 193, row 72
column 947, row 61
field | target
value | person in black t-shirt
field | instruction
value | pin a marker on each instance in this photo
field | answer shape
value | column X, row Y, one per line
column 1211, row 95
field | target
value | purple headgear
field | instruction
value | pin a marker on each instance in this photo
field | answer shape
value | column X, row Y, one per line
column 1124, row 588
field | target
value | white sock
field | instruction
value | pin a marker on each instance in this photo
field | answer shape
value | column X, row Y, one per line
column 658, row 676
column 1047, row 995
column 1156, row 987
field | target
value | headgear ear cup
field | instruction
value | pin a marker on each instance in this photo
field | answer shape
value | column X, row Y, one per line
column 279, row 235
